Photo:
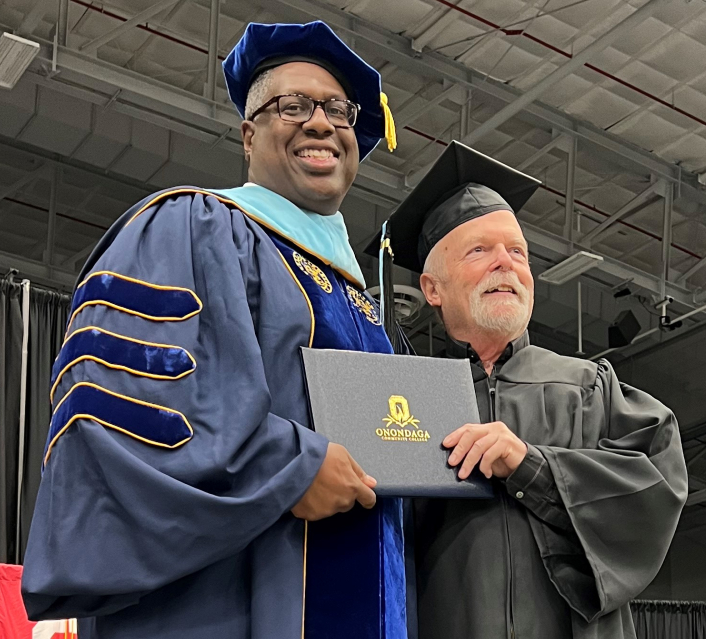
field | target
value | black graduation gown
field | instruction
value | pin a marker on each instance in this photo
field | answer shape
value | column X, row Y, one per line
column 578, row 530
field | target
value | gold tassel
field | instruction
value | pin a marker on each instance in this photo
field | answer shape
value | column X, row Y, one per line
column 390, row 133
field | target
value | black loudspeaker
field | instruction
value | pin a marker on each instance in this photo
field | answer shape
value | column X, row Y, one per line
column 623, row 330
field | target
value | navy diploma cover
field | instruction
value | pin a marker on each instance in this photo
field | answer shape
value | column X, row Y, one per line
column 392, row 412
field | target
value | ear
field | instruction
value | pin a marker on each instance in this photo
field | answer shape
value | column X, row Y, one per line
column 247, row 132
column 430, row 287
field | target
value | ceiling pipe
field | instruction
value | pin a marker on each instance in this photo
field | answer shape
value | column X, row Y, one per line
column 547, row 45
column 175, row 40
column 510, row 32
column 511, row 109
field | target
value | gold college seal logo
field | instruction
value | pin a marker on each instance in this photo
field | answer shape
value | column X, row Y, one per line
column 313, row 271
column 401, row 417
column 364, row 305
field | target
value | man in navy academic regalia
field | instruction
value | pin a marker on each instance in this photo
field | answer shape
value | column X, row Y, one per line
column 180, row 471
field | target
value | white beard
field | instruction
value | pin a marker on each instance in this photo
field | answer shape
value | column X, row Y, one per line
column 507, row 316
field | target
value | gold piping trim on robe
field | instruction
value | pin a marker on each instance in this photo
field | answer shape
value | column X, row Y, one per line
column 113, row 426
column 127, row 310
column 306, row 297
column 119, row 366
column 311, row 341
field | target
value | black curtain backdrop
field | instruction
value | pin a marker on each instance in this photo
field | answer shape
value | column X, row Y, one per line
column 48, row 314
column 10, row 360
column 669, row 619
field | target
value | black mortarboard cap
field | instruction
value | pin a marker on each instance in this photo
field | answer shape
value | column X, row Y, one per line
column 463, row 184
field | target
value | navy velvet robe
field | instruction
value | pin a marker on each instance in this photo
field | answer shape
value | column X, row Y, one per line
column 180, row 441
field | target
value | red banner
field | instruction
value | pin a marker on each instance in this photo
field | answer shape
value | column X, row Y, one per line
column 13, row 617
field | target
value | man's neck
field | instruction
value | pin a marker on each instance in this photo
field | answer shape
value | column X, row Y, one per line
column 489, row 351
column 488, row 347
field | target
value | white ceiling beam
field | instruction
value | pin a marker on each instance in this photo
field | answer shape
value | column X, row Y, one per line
column 412, row 159
column 94, row 45
column 482, row 43
column 201, row 120
column 212, row 70
column 73, row 262
column 78, row 25
column 616, row 228
column 178, row 110
column 145, row 45
column 33, row 18
column 82, row 207
column 400, row 108
column 433, row 30
column 576, row 62
column 409, row 114
column 26, row 179
column 37, row 271
column 636, row 55
column 642, row 198
column 641, row 247
column 549, row 214
column 62, row 22
column 692, row 271
column 99, row 176
column 429, row 18
column 235, row 38
column 595, row 25
column 357, row 7
column 557, row 141
column 397, row 50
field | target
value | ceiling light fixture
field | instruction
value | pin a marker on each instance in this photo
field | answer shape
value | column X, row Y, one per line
column 570, row 268
column 16, row 54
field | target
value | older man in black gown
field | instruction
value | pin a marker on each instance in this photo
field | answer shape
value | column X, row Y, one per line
column 589, row 472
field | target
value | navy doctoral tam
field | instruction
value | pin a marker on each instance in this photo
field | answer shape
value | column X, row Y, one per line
column 265, row 46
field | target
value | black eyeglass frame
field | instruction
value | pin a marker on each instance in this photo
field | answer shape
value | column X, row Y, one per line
column 316, row 103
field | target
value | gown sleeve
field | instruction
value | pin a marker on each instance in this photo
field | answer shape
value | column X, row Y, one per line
column 533, row 484
column 164, row 455
column 623, row 495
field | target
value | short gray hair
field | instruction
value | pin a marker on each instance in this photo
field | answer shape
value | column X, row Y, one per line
column 435, row 264
column 257, row 94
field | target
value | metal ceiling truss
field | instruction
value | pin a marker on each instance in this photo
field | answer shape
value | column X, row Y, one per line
column 143, row 16
column 205, row 119
column 33, row 18
column 398, row 50
column 576, row 62
column 636, row 204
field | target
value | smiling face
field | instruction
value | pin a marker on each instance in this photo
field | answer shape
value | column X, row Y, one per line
column 481, row 279
column 312, row 164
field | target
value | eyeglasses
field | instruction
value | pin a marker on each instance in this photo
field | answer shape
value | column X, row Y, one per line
column 298, row 108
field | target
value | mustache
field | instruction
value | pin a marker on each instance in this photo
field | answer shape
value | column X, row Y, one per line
column 503, row 278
